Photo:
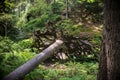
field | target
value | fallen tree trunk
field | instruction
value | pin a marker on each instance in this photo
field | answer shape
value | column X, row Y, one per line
column 20, row 72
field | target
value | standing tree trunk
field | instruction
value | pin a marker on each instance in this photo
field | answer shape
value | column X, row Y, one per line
column 48, row 1
column 66, row 9
column 109, row 68
column 102, row 74
column 20, row 72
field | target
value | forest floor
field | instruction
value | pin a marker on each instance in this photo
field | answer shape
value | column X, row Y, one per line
column 65, row 71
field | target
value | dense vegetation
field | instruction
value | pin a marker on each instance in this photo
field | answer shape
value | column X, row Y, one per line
column 29, row 26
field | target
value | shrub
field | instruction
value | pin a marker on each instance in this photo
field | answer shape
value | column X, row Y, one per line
column 7, row 28
column 5, row 44
column 10, row 61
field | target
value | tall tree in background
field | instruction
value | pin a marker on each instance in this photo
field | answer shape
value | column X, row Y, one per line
column 66, row 9
column 110, row 50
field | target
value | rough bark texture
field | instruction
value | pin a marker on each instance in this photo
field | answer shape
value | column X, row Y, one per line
column 20, row 72
column 102, row 74
column 111, row 42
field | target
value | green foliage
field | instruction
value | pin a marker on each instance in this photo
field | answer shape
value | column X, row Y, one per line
column 89, row 10
column 13, row 54
column 95, row 9
column 35, row 24
column 38, row 9
column 68, row 28
column 6, row 6
column 12, row 60
column 7, row 28
column 22, row 45
column 38, row 15
column 5, row 45
column 57, row 7
column 66, row 71
column 76, row 77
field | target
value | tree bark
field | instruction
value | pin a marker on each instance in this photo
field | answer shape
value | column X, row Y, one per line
column 20, row 72
column 102, row 74
column 66, row 9
column 109, row 68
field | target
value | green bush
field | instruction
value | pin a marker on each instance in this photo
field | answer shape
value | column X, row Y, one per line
column 12, row 60
column 5, row 44
column 22, row 45
column 70, row 71
column 7, row 28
